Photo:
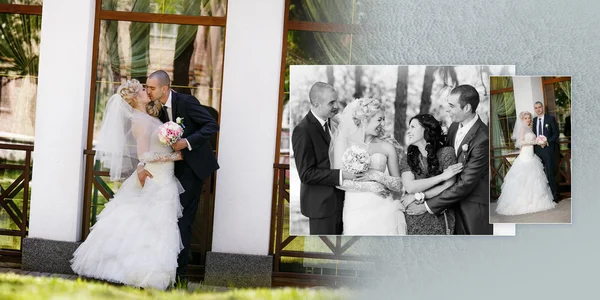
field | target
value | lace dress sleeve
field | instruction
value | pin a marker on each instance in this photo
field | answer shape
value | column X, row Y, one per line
column 522, row 142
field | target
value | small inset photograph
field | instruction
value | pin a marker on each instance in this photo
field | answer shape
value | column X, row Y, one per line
column 530, row 138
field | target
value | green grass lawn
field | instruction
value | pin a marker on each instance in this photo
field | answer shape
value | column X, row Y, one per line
column 14, row 286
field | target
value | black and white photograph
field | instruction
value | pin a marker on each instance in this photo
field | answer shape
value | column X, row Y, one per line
column 390, row 150
column 531, row 146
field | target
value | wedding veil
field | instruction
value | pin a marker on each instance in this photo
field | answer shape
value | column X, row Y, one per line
column 346, row 135
column 516, row 132
column 116, row 146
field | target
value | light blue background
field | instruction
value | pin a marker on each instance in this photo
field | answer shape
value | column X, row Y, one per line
column 540, row 37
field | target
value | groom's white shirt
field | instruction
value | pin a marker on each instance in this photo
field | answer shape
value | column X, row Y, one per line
column 540, row 119
column 462, row 132
column 460, row 136
column 322, row 122
column 170, row 115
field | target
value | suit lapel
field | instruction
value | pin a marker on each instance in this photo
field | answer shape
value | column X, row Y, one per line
column 470, row 135
column 452, row 135
column 535, row 125
column 318, row 126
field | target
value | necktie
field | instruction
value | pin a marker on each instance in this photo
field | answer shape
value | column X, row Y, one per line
column 167, row 112
column 326, row 128
column 539, row 131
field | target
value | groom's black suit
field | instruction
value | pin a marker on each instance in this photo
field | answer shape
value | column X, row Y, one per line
column 197, row 164
column 320, row 200
column 470, row 195
column 548, row 154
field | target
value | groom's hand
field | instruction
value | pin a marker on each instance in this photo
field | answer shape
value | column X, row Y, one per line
column 351, row 176
column 179, row 145
column 369, row 175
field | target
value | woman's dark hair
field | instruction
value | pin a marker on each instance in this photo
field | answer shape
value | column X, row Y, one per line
column 435, row 139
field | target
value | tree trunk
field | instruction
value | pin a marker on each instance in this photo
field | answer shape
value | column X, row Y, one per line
column 449, row 75
column 426, row 95
column 330, row 78
column 358, row 88
column 181, row 64
column 400, row 104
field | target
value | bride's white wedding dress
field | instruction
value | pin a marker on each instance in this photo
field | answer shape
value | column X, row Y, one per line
column 136, row 239
column 525, row 188
column 368, row 213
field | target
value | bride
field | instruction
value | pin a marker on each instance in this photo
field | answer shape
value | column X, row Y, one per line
column 525, row 188
column 369, row 208
column 136, row 239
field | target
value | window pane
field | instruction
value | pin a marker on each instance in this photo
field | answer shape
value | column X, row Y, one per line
column 325, row 11
column 191, row 55
column 19, row 54
column 22, row 2
column 558, row 104
column 216, row 8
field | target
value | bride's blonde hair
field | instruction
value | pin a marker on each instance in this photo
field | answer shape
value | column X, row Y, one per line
column 129, row 91
column 366, row 108
column 523, row 114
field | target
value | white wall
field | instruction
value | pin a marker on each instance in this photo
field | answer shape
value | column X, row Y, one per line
column 527, row 91
column 61, row 119
column 248, row 126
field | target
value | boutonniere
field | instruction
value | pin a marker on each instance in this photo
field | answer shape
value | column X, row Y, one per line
column 546, row 126
column 179, row 121
column 465, row 148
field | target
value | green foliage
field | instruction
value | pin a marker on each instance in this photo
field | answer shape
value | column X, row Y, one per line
column 19, row 42
column 14, row 286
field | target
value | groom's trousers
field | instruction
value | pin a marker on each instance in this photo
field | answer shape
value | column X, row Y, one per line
column 189, row 200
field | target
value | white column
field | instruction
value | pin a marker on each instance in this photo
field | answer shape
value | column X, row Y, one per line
column 527, row 91
column 248, row 126
column 61, row 119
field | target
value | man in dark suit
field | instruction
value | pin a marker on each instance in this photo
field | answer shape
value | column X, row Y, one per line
column 320, row 200
column 469, row 196
column 546, row 125
column 199, row 161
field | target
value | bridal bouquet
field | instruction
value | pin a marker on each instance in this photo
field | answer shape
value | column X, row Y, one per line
column 169, row 133
column 356, row 160
column 541, row 139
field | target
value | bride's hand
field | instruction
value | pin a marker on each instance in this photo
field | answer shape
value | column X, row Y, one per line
column 451, row 171
column 352, row 176
column 142, row 175
column 408, row 199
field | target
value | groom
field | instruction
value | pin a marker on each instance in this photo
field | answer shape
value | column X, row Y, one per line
column 199, row 161
column 469, row 196
column 546, row 125
column 320, row 200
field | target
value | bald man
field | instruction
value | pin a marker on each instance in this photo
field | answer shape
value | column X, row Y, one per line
column 320, row 200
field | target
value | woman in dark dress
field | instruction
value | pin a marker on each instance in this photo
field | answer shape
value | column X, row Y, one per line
column 428, row 168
